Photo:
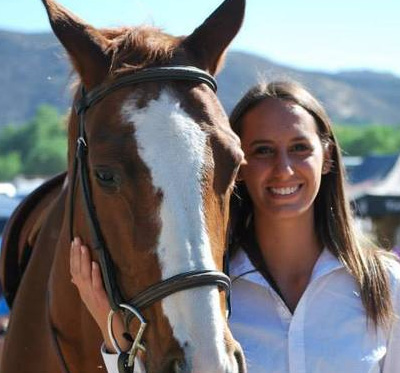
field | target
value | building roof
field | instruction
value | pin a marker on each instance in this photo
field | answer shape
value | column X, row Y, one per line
column 374, row 185
column 373, row 168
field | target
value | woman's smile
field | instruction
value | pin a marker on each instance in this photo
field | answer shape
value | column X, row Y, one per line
column 285, row 192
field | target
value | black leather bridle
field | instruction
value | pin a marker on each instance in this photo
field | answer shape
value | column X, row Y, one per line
column 162, row 289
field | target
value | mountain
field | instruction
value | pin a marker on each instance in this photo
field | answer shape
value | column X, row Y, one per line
column 349, row 97
column 35, row 70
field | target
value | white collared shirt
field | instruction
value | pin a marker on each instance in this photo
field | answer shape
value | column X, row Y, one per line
column 327, row 333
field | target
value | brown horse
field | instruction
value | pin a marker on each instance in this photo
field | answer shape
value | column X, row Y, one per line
column 151, row 166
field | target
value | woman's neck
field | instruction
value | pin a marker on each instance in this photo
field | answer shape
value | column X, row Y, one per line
column 290, row 248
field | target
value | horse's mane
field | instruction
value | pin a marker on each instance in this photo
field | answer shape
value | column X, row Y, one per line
column 139, row 47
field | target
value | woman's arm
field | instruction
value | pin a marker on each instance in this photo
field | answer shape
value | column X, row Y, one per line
column 86, row 276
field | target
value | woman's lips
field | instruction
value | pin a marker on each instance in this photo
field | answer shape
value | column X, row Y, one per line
column 284, row 191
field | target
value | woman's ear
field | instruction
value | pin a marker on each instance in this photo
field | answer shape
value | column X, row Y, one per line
column 327, row 165
column 326, row 168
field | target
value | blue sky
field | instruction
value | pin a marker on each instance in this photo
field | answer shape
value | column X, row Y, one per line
column 310, row 34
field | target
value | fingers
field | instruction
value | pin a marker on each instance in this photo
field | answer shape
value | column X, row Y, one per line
column 97, row 280
column 75, row 260
column 80, row 263
column 86, row 276
column 85, row 264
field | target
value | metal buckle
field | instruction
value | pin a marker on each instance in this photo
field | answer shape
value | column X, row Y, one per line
column 136, row 345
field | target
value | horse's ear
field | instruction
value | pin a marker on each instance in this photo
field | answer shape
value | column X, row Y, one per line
column 85, row 45
column 209, row 41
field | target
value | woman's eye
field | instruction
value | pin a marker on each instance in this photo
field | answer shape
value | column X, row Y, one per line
column 263, row 150
column 300, row 148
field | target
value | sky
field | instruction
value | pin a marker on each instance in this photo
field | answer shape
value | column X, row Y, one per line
column 308, row 34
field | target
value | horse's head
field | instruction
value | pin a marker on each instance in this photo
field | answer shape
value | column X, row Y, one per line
column 159, row 170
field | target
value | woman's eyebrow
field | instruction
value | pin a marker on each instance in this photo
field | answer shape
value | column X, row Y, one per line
column 261, row 142
column 267, row 141
column 299, row 138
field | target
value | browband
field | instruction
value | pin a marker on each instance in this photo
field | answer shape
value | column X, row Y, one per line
column 164, row 73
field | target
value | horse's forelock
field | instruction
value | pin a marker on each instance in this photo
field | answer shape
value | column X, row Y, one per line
column 138, row 47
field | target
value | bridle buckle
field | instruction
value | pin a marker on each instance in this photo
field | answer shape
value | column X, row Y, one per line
column 137, row 343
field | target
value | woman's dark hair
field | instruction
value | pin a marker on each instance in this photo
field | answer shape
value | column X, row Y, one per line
column 333, row 217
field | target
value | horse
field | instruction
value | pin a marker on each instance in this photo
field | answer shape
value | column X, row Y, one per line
column 151, row 167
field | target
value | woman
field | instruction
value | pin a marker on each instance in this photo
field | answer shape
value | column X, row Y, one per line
column 307, row 295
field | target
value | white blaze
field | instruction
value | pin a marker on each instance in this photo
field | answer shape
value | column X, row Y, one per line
column 172, row 146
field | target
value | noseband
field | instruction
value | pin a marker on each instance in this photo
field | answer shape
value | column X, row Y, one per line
column 162, row 289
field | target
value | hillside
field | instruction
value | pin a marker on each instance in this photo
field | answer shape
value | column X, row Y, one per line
column 35, row 71
column 349, row 97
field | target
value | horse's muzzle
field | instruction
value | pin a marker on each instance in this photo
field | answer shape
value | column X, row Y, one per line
column 236, row 358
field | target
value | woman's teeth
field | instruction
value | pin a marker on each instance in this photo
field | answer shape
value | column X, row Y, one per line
column 285, row 191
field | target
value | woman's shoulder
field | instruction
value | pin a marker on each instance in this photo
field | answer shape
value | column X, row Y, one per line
column 240, row 263
column 391, row 263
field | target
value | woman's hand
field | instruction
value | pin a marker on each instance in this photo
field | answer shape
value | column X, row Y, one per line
column 86, row 276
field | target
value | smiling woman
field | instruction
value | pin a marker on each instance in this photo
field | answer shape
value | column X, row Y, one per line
column 293, row 234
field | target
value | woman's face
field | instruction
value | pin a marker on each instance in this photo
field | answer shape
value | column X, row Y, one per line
column 284, row 157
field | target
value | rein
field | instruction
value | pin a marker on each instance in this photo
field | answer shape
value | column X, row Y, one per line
column 164, row 288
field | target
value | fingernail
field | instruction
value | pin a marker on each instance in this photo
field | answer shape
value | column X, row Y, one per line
column 76, row 241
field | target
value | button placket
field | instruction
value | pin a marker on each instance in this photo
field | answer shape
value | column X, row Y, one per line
column 296, row 351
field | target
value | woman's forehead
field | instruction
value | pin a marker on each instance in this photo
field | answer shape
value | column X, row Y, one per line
column 275, row 117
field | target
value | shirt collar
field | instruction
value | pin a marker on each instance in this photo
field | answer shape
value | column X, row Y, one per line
column 241, row 266
column 326, row 263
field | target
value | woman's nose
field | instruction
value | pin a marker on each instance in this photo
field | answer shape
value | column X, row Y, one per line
column 283, row 165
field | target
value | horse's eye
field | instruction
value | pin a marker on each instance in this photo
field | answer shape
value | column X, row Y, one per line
column 107, row 178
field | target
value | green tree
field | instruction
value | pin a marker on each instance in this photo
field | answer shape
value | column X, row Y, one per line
column 46, row 158
column 41, row 144
column 364, row 140
column 10, row 166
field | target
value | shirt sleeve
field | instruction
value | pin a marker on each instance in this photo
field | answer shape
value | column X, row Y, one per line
column 392, row 358
column 111, row 362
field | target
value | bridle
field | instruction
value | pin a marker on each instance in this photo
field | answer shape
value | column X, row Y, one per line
column 187, row 280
